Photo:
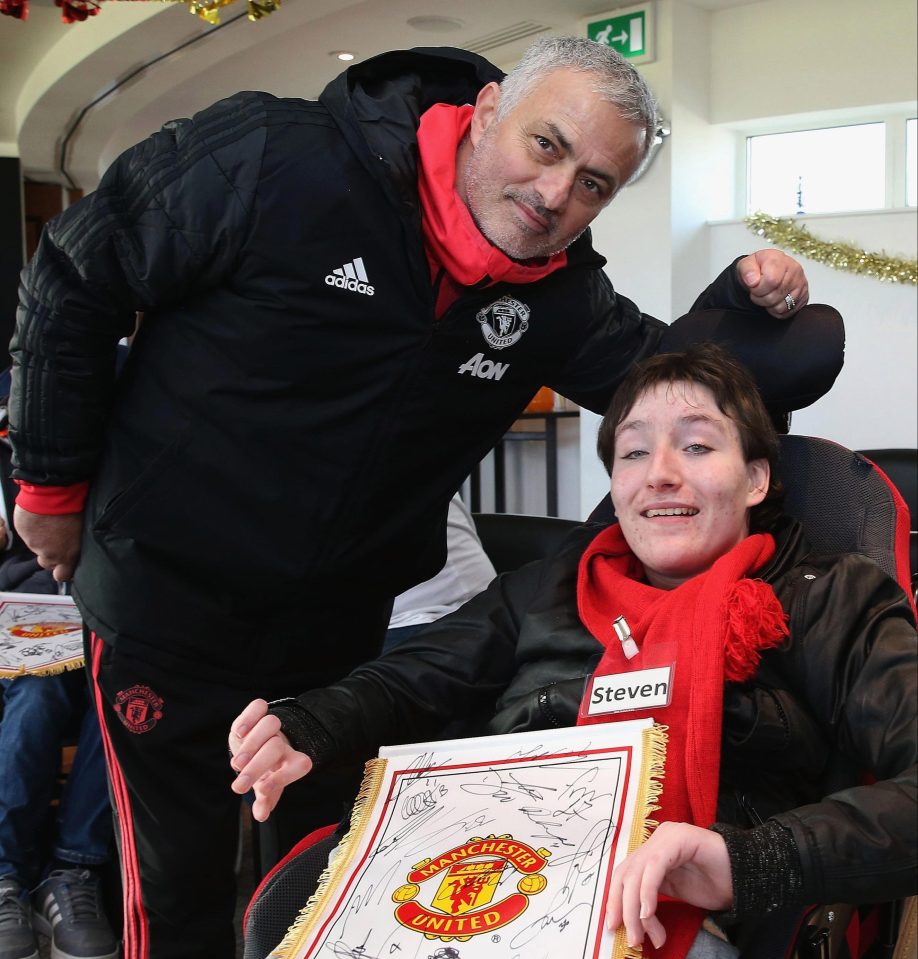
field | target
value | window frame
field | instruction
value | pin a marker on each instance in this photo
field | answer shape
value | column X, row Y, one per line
column 895, row 119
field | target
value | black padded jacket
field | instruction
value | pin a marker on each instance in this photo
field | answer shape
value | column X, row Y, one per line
column 292, row 420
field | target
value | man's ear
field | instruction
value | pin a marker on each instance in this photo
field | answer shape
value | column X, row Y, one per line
column 485, row 111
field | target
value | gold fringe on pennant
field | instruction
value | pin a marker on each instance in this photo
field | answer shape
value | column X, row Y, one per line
column 299, row 932
column 54, row 669
column 795, row 237
column 650, row 785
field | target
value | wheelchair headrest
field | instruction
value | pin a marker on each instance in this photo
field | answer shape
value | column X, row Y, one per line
column 794, row 361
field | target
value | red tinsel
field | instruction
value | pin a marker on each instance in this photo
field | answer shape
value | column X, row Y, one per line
column 15, row 8
column 73, row 11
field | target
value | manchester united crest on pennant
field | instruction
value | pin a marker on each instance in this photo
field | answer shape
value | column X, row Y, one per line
column 462, row 904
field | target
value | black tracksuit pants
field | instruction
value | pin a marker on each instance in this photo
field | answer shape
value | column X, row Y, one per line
column 165, row 736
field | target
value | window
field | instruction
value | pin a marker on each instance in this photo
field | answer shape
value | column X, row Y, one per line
column 818, row 171
column 911, row 163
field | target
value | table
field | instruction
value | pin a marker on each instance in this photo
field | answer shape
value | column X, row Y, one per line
column 548, row 435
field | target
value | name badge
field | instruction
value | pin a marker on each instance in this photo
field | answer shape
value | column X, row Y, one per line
column 621, row 692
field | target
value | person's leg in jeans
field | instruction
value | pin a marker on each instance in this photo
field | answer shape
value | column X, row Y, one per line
column 85, row 829
column 708, row 946
column 40, row 713
column 36, row 715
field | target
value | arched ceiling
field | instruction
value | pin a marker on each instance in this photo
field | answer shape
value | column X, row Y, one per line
column 68, row 125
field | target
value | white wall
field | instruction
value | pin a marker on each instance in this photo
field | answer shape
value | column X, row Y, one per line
column 783, row 57
column 719, row 75
column 874, row 403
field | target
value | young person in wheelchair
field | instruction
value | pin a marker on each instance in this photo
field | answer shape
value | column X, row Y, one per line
column 793, row 674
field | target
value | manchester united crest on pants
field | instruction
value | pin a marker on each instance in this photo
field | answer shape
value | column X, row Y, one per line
column 138, row 708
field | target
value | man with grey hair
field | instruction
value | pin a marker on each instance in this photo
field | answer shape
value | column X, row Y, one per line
column 346, row 303
column 614, row 80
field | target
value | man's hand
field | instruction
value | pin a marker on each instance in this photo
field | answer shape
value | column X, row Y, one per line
column 680, row 861
column 771, row 277
column 263, row 757
column 55, row 540
column 4, row 534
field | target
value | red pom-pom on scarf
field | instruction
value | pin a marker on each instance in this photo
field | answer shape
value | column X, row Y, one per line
column 755, row 621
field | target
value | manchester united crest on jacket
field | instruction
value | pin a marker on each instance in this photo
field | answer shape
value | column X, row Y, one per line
column 503, row 322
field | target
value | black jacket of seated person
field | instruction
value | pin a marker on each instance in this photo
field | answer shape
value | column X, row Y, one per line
column 836, row 701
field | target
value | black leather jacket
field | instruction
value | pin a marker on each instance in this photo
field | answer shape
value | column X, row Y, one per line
column 835, row 704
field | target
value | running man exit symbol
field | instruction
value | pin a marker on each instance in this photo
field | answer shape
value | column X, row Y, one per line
column 628, row 32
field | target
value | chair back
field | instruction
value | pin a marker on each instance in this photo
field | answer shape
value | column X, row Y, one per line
column 900, row 467
column 846, row 504
column 513, row 539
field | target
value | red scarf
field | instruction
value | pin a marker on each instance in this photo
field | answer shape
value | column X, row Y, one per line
column 451, row 239
column 717, row 622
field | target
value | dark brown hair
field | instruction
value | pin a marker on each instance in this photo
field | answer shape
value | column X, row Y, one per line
column 736, row 395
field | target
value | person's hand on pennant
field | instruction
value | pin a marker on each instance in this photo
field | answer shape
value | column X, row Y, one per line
column 679, row 861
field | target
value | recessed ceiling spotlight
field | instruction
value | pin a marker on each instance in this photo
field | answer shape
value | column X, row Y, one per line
column 434, row 24
column 342, row 54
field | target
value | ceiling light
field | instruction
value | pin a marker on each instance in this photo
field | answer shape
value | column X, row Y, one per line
column 343, row 54
column 434, row 24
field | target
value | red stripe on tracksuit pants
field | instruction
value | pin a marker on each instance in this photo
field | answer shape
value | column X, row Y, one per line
column 165, row 735
column 135, row 921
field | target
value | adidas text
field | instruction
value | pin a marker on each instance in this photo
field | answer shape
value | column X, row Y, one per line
column 352, row 276
column 345, row 284
column 484, row 369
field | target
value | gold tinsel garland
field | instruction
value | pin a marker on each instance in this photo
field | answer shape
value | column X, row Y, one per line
column 209, row 10
column 840, row 256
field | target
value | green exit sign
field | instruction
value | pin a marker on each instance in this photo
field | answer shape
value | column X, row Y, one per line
column 629, row 31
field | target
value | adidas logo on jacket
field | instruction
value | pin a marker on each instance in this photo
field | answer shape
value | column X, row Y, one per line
column 351, row 276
